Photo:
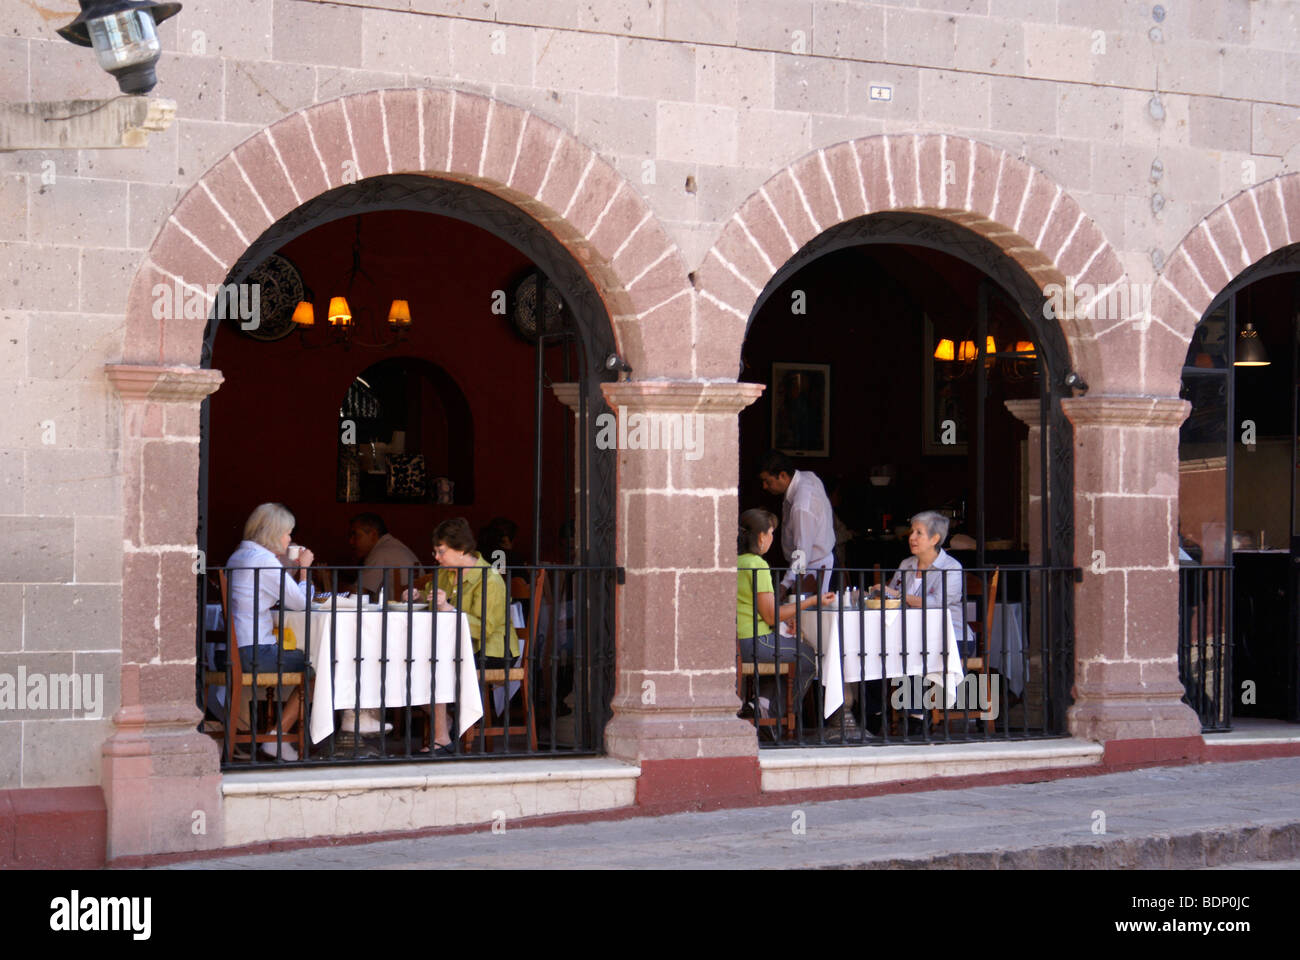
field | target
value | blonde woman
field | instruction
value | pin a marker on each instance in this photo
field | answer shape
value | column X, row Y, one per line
column 258, row 581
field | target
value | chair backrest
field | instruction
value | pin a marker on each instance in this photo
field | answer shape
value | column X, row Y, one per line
column 232, row 645
column 519, row 590
column 989, row 603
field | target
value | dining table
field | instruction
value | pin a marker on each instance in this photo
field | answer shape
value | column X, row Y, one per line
column 916, row 642
column 1007, row 643
column 390, row 636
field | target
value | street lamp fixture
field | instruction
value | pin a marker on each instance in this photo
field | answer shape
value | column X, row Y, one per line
column 125, row 38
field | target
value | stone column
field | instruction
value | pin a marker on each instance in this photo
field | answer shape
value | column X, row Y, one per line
column 570, row 395
column 161, row 777
column 1126, row 684
column 675, row 704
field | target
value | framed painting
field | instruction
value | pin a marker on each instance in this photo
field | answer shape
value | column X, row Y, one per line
column 801, row 409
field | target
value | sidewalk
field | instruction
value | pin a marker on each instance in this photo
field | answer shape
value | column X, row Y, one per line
column 1181, row 817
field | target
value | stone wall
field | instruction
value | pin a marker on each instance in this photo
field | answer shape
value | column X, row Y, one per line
column 697, row 104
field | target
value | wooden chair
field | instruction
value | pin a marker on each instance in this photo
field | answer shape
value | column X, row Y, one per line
column 981, row 659
column 748, row 668
column 504, row 676
column 239, row 680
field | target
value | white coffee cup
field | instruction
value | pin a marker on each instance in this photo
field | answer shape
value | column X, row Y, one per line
column 294, row 551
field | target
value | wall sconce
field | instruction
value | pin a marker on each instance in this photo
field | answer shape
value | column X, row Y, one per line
column 124, row 36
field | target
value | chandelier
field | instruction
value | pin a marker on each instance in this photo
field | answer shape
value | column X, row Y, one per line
column 1018, row 361
column 343, row 323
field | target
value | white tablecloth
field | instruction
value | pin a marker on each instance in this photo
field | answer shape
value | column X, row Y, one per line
column 1014, row 669
column 341, row 694
column 939, row 638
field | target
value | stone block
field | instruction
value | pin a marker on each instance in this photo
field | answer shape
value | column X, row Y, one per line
column 1089, row 112
column 13, row 68
column 697, row 133
column 1024, row 106
column 921, row 37
column 169, row 466
column 76, row 617
column 477, row 9
column 785, row 26
column 706, row 618
column 828, row 130
column 848, row 31
column 1069, row 163
column 177, row 616
column 64, row 482
column 670, row 529
column 37, row 549
column 263, row 92
column 575, row 61
column 734, row 77
column 1219, row 124
column 904, row 105
column 11, row 617
column 617, row 124
column 316, row 33
column 774, row 139
column 703, row 21
column 105, row 274
column 98, row 549
column 1274, row 129
column 660, row 71
column 397, row 42
column 63, row 753
column 641, row 17
column 645, row 598
column 232, row 30
column 196, row 83
column 14, row 326
column 493, row 53
column 810, row 84
column 1250, row 73
column 13, row 206
column 61, row 71
column 11, row 746
column 334, row 82
column 149, row 207
column 1060, row 52
column 203, row 144
column 990, row 45
column 954, row 98
column 39, row 690
column 80, row 212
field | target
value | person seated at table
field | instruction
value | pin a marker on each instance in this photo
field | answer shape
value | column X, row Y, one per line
column 375, row 548
column 930, row 590
column 499, row 534
column 756, row 612
column 265, row 546
column 467, row 583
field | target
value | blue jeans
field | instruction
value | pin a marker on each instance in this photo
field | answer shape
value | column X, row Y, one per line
column 764, row 650
column 294, row 661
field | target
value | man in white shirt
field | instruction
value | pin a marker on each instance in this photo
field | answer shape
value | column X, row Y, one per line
column 807, row 526
column 375, row 548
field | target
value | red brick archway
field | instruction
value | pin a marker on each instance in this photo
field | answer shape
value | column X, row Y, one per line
column 158, row 772
column 983, row 188
column 1236, row 234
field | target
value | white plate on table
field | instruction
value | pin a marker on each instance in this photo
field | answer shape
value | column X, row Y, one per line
column 400, row 606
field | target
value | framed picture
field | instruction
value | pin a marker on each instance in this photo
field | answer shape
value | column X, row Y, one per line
column 945, row 425
column 801, row 409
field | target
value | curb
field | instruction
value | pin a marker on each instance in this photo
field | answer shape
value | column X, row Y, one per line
column 1212, row 847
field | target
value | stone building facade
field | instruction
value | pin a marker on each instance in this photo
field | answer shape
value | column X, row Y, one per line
column 682, row 151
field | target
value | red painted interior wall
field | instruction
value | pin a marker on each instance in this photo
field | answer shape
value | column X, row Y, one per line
column 864, row 318
column 274, row 422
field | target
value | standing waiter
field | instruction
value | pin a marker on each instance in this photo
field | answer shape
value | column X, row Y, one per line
column 807, row 523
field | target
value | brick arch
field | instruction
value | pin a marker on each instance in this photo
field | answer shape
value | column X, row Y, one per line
column 982, row 188
column 496, row 146
column 1235, row 235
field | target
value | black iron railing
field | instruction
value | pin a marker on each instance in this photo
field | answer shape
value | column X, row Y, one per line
column 1205, row 642
column 353, row 679
column 862, row 667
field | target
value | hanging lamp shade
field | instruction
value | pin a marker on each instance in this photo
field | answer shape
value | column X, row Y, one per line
column 945, row 350
column 1250, row 349
column 304, row 314
column 399, row 314
column 967, row 350
column 990, row 346
column 340, row 312
column 1025, row 347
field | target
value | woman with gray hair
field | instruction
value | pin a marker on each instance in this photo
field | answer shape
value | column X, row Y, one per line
column 929, row 590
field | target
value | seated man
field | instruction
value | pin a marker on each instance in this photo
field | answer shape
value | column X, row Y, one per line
column 375, row 548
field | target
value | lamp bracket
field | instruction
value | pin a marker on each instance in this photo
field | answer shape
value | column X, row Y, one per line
column 117, row 123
